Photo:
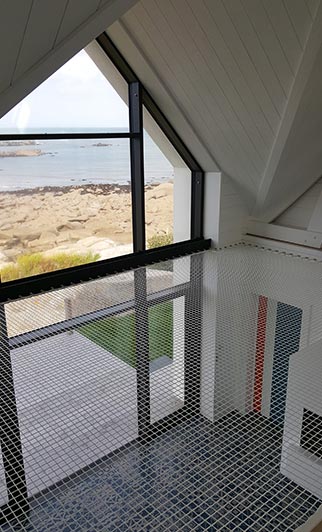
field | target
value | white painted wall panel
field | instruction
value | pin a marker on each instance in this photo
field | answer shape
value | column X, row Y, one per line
column 233, row 213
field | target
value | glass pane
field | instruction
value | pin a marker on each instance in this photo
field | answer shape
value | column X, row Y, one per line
column 158, row 190
column 76, row 98
column 76, row 398
column 167, row 189
column 166, row 348
column 63, row 202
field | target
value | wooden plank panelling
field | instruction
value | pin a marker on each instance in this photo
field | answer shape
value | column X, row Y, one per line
column 219, row 49
column 284, row 30
column 257, row 54
column 31, row 52
column 300, row 17
column 180, row 83
column 228, row 66
column 14, row 19
column 75, row 14
column 270, row 42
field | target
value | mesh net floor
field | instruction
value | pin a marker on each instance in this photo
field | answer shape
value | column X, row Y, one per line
column 184, row 396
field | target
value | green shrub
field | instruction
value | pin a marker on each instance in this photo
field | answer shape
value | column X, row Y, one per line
column 156, row 241
column 28, row 265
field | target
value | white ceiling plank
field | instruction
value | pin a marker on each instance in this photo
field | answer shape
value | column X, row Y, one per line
column 313, row 6
column 208, row 70
column 149, row 39
column 51, row 61
column 38, row 32
column 77, row 11
column 129, row 46
column 315, row 223
column 219, row 48
column 271, row 45
column 211, row 69
column 235, row 44
column 276, row 193
column 256, row 53
column 205, row 100
column 13, row 22
column 300, row 17
column 202, row 54
column 284, row 29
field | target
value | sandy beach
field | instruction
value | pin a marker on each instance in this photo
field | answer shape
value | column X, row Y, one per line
column 78, row 219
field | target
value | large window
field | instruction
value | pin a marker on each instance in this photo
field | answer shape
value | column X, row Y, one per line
column 87, row 173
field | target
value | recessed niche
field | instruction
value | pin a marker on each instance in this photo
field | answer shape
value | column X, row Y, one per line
column 311, row 434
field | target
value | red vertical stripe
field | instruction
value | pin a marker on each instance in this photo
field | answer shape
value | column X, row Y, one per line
column 260, row 350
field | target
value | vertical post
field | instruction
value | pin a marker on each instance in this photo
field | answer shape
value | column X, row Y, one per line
column 197, row 195
column 137, row 166
column 193, row 337
column 140, row 287
column 11, row 447
column 142, row 351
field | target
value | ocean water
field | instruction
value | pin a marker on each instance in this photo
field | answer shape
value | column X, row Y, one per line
column 77, row 162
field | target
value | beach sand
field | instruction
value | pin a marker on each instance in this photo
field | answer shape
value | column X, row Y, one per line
column 78, row 219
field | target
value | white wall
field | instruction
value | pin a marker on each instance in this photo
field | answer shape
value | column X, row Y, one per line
column 304, row 391
column 225, row 211
column 234, row 280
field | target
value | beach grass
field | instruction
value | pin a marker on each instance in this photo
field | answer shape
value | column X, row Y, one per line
column 33, row 264
column 116, row 334
column 157, row 241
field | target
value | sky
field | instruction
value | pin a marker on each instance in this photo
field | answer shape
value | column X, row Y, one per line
column 77, row 95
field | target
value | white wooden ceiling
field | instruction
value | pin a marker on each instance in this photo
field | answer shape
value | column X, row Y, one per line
column 230, row 75
column 39, row 36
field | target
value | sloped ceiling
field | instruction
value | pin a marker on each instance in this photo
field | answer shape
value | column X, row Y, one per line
column 235, row 78
column 239, row 79
column 38, row 36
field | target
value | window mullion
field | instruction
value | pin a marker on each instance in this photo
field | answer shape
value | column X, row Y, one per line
column 137, row 166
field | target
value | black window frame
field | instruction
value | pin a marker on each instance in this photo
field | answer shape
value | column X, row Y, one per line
column 139, row 97
column 11, row 449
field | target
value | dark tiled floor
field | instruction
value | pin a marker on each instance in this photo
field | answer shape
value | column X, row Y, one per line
column 197, row 476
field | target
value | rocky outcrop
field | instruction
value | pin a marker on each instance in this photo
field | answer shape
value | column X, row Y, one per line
column 78, row 219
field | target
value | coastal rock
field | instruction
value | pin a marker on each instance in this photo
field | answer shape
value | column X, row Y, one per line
column 21, row 153
column 47, row 237
column 80, row 219
column 26, row 235
column 5, row 236
column 69, row 225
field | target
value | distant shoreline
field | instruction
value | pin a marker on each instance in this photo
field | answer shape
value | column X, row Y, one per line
column 104, row 189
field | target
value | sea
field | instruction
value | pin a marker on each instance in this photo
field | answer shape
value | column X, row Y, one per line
column 76, row 162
